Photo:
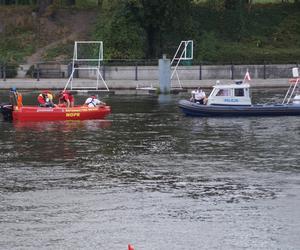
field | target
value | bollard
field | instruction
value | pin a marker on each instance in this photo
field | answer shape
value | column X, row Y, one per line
column 38, row 72
column 164, row 75
column 4, row 73
column 200, row 72
column 136, row 72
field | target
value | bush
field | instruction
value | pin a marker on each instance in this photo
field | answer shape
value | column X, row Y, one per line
column 208, row 47
column 62, row 51
column 11, row 70
column 122, row 37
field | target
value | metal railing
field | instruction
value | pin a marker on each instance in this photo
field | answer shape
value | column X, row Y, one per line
column 59, row 3
column 148, row 70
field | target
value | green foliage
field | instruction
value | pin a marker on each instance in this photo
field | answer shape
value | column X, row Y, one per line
column 86, row 3
column 263, row 33
column 16, row 36
column 61, row 51
column 31, row 71
column 13, row 48
column 288, row 32
column 10, row 69
column 160, row 20
column 122, row 37
column 222, row 31
column 248, row 54
column 207, row 48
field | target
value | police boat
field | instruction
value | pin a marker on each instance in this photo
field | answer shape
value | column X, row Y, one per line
column 235, row 100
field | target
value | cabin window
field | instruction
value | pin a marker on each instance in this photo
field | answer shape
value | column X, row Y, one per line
column 223, row 92
column 239, row 92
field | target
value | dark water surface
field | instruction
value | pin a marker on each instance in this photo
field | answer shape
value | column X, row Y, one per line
column 151, row 177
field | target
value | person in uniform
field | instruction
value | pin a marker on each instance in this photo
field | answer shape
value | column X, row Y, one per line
column 198, row 96
column 93, row 101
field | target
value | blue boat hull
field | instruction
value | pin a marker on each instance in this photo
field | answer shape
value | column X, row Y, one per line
column 194, row 109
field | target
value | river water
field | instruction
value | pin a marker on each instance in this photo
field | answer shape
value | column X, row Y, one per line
column 151, row 177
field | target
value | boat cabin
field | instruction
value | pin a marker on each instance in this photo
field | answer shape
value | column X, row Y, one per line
column 237, row 94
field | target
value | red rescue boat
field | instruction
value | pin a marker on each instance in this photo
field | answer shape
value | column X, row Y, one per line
column 34, row 113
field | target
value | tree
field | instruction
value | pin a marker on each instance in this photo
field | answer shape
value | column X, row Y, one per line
column 157, row 18
column 232, row 17
column 70, row 2
column 43, row 5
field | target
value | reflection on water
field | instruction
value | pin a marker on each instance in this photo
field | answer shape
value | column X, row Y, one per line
column 62, row 126
column 151, row 177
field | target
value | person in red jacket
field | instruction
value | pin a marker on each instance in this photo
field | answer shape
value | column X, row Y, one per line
column 66, row 99
column 45, row 99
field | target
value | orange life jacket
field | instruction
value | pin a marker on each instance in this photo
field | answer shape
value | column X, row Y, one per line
column 19, row 100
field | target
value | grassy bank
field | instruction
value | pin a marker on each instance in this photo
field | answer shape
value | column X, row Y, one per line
column 264, row 33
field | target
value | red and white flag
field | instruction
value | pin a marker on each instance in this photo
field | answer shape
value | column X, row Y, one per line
column 130, row 247
column 247, row 77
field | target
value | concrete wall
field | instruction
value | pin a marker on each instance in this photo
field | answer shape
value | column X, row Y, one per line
column 131, row 73
column 198, row 72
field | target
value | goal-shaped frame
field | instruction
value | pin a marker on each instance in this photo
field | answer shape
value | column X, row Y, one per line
column 185, row 52
column 88, row 56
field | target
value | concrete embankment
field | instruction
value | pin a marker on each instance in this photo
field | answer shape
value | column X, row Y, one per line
column 57, row 84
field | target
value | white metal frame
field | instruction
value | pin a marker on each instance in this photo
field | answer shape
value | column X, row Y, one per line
column 289, row 94
column 181, row 55
column 76, row 65
column 291, row 90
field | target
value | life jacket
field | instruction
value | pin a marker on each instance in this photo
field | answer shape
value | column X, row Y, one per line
column 16, row 98
column 19, row 100
column 43, row 98
column 50, row 96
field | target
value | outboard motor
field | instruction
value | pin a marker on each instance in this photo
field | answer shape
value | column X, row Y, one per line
column 6, row 110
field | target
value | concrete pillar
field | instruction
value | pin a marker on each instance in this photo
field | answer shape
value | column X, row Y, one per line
column 164, row 75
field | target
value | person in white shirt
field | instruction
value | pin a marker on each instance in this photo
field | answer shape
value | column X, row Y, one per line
column 93, row 101
column 198, row 96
